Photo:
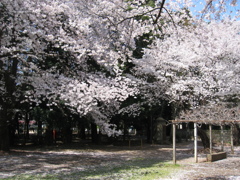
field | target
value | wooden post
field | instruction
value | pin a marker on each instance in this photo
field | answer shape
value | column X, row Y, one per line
column 174, row 143
column 195, row 143
column 210, row 138
column 222, row 142
column 232, row 148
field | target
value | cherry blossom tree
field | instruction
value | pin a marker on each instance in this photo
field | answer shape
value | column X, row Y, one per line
column 33, row 33
column 219, row 114
column 202, row 61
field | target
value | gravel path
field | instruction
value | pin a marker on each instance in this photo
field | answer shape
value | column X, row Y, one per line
column 70, row 160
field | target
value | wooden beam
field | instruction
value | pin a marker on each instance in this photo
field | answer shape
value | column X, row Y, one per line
column 195, row 143
column 222, row 142
column 216, row 156
column 232, row 148
column 210, row 138
column 213, row 122
column 174, row 143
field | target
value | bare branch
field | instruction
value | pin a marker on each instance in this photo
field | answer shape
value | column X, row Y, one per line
column 160, row 12
column 170, row 17
column 135, row 16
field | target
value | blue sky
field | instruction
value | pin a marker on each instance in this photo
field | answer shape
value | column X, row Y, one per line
column 231, row 11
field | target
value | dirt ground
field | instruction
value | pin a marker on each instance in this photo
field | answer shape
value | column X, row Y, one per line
column 72, row 158
column 228, row 169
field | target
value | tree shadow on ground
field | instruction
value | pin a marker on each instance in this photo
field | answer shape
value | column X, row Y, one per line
column 84, row 159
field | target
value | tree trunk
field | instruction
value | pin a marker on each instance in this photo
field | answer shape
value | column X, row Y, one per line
column 49, row 136
column 236, row 134
column 204, row 138
column 4, row 140
column 67, row 135
column 148, row 125
column 26, row 128
column 4, row 133
column 94, row 133
column 81, row 131
column 39, row 133
column 125, row 132
column 7, row 102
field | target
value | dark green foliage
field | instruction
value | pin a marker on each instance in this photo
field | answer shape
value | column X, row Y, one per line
column 150, row 3
column 126, row 66
column 141, row 43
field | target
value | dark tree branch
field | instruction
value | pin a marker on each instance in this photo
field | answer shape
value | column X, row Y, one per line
column 160, row 12
column 206, row 8
column 10, row 54
column 136, row 16
column 170, row 17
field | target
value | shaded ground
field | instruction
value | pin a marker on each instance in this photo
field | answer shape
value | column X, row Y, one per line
column 74, row 158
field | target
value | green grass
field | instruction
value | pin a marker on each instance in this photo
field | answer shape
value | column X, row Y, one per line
column 138, row 169
column 154, row 172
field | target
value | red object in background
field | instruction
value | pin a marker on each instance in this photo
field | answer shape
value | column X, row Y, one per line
column 32, row 122
column 54, row 134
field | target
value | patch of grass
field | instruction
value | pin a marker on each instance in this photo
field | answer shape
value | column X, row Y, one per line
column 137, row 169
column 154, row 172
column 131, row 170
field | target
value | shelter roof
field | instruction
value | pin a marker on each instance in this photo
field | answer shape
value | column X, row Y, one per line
column 210, row 122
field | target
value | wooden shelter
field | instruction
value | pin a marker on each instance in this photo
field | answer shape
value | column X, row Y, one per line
column 220, row 123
